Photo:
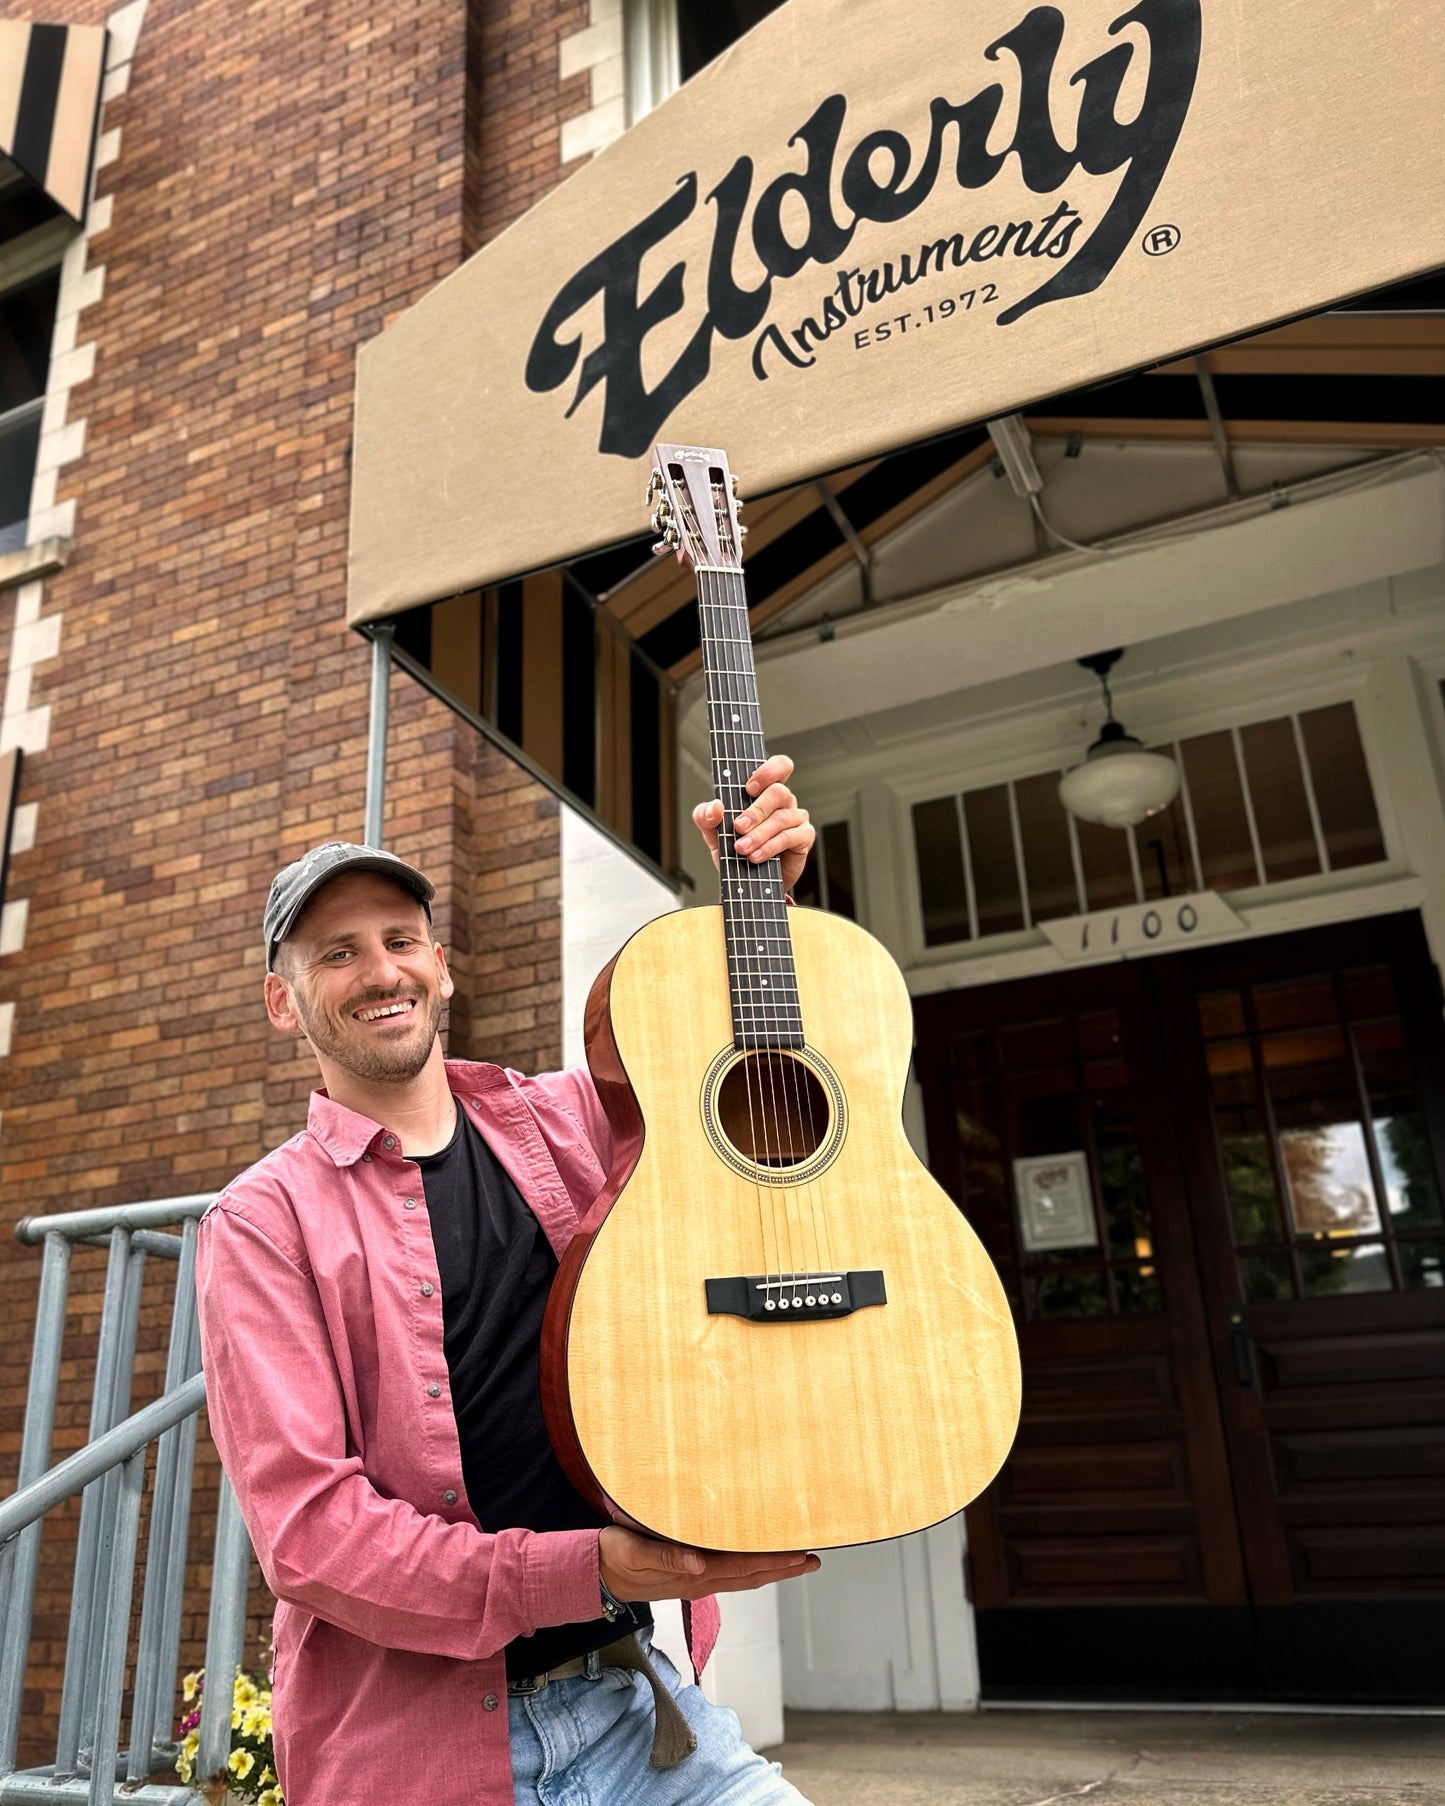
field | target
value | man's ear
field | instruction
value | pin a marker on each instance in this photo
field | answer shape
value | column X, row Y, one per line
column 448, row 985
column 279, row 1006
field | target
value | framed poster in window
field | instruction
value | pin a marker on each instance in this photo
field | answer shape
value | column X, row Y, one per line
column 1055, row 1202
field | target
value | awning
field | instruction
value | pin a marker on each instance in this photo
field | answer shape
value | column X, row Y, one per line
column 869, row 224
column 49, row 105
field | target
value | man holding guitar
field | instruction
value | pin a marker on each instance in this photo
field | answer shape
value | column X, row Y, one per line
column 456, row 1624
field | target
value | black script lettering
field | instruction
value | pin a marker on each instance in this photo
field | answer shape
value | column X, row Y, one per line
column 864, row 193
column 631, row 412
column 826, row 239
column 1146, row 144
column 771, row 336
column 734, row 311
column 953, row 246
column 633, row 415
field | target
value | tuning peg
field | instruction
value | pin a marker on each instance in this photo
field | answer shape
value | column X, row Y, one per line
column 734, row 481
column 654, row 486
column 742, row 531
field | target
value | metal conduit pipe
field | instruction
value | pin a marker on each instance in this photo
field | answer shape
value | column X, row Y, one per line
column 381, row 641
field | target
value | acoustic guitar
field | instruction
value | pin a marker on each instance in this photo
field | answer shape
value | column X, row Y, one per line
column 773, row 1329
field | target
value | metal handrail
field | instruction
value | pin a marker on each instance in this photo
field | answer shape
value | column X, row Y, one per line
column 109, row 1474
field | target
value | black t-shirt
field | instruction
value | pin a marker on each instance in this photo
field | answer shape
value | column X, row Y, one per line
column 496, row 1269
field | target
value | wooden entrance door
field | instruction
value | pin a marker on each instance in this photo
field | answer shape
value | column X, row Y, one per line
column 1229, row 1478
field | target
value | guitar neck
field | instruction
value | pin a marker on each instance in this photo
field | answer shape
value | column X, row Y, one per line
column 761, row 974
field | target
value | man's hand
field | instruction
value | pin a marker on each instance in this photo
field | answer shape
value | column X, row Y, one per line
column 636, row 1567
column 772, row 825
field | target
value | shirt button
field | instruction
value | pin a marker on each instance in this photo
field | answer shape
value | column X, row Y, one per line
column 449, row 1497
column 388, row 1142
column 367, row 1158
column 434, row 1391
column 490, row 1702
column 427, row 1290
column 410, row 1204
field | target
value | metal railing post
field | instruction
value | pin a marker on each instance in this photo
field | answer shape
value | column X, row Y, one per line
column 382, row 636
column 87, row 1542
column 110, row 1672
column 22, row 1556
column 165, row 1565
column 225, row 1632
column 122, row 1378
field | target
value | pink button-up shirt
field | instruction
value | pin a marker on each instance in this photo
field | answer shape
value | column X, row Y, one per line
column 326, row 1388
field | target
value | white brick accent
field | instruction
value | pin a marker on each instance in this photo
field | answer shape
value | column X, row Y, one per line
column 599, row 48
column 7, row 1024
column 22, row 833
column 12, row 925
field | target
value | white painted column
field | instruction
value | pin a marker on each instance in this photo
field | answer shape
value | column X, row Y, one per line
column 606, row 898
column 1408, row 780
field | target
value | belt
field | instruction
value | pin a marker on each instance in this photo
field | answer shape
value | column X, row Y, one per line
column 672, row 1738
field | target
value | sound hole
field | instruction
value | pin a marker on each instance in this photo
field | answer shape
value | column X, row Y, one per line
column 772, row 1109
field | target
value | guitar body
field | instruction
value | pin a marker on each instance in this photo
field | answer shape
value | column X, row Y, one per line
column 780, row 1431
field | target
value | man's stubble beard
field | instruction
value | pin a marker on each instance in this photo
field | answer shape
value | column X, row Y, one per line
column 381, row 1063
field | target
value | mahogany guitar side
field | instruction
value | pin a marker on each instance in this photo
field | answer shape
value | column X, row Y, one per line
column 733, row 1434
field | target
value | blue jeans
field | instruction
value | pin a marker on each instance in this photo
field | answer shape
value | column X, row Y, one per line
column 585, row 1742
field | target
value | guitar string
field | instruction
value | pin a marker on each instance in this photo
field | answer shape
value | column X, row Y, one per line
column 779, row 1121
column 745, row 878
column 752, row 920
column 716, row 675
column 793, row 1073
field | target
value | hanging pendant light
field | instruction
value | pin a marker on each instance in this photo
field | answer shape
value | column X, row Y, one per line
column 1120, row 782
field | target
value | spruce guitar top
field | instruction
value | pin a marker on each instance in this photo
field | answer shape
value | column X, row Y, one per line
column 773, row 1330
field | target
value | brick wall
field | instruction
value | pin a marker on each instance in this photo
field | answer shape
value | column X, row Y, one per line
column 287, row 181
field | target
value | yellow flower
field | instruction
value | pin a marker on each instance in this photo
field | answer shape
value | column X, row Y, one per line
column 184, row 1767
column 256, row 1722
column 271, row 1797
column 191, row 1684
column 235, row 1718
column 244, row 1692
column 240, row 1763
column 267, row 1774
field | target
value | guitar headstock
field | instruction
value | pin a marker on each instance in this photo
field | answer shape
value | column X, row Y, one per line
column 694, row 499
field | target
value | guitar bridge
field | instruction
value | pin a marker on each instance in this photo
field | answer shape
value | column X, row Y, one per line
column 783, row 1298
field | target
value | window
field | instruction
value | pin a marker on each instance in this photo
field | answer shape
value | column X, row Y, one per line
column 827, row 880
column 668, row 41
column 33, row 236
column 1257, row 805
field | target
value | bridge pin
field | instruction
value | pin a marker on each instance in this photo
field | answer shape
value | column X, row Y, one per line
column 837, row 1297
column 782, row 1304
column 812, row 1299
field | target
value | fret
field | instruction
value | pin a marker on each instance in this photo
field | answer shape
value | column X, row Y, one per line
column 762, row 977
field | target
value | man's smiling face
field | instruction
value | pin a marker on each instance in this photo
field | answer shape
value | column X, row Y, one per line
column 362, row 978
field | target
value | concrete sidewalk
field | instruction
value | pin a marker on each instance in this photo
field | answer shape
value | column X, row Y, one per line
column 1113, row 1759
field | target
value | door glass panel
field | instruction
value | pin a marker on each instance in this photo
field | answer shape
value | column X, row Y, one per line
column 1221, row 1013
column 1301, row 1004
column 1422, row 1265
column 1328, row 1180
column 1249, row 1182
column 1138, row 1290
column 1078, row 1294
column 1265, row 1277
column 1329, row 1271
column 1121, row 1180
column 1412, row 1191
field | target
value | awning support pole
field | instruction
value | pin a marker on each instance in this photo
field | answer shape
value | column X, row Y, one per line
column 376, row 745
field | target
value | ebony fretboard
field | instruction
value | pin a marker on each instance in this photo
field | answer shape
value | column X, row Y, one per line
column 761, row 974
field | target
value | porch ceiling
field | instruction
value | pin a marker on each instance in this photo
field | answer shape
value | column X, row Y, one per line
column 1322, row 393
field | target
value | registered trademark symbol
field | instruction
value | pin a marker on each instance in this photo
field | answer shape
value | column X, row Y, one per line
column 1160, row 239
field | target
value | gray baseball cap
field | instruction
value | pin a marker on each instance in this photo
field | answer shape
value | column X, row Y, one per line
column 294, row 885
